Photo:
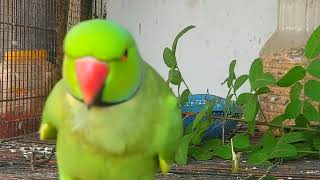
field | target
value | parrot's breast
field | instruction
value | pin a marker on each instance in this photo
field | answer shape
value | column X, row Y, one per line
column 120, row 141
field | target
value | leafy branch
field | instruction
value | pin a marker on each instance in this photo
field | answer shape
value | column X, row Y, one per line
column 175, row 77
column 298, row 140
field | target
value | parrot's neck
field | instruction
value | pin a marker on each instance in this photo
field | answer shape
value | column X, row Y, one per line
column 105, row 104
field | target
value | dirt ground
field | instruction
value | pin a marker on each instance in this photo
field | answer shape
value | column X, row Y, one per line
column 28, row 158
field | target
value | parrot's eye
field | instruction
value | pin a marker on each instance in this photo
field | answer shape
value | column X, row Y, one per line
column 124, row 56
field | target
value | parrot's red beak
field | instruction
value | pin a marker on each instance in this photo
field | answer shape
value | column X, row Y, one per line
column 91, row 75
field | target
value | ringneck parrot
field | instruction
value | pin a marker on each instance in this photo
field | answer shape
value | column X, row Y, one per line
column 112, row 115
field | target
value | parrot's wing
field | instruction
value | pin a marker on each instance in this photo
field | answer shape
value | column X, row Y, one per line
column 52, row 113
column 171, row 131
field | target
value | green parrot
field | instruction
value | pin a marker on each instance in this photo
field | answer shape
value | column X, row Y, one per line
column 112, row 115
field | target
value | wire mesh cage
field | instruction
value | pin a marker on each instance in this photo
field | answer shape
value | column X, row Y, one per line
column 80, row 10
column 29, row 66
column 27, row 41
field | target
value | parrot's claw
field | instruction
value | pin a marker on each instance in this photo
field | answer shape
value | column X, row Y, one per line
column 47, row 131
column 43, row 129
column 164, row 166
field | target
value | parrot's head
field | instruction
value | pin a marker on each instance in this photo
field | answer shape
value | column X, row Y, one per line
column 101, row 63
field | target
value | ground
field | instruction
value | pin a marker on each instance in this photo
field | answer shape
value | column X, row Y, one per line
column 28, row 158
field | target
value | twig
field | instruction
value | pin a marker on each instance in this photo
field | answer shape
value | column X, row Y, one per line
column 225, row 115
column 32, row 159
column 251, row 176
column 260, row 123
column 263, row 115
column 269, row 170
column 183, row 78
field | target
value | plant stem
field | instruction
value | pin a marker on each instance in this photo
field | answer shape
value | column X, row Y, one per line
column 260, row 123
column 183, row 79
column 235, row 94
column 268, row 171
column 225, row 115
column 263, row 115
column 311, row 152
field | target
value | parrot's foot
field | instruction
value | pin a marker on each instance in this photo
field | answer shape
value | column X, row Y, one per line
column 43, row 130
column 47, row 132
column 164, row 166
column 65, row 177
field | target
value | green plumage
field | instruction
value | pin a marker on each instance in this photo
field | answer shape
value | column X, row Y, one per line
column 122, row 141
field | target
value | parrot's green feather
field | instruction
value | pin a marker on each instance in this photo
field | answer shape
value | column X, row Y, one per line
column 108, row 42
column 130, row 139
column 117, row 142
column 53, row 113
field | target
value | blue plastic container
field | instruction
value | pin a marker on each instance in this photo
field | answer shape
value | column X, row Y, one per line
column 195, row 104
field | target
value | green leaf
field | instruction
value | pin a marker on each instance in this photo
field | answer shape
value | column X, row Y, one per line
column 175, row 77
column 241, row 141
column 277, row 121
column 228, row 103
column 240, row 81
column 263, row 90
column 211, row 104
column 169, row 58
column 243, row 98
column 232, row 75
column 316, row 143
column 268, row 140
column 200, row 154
column 310, row 112
column 292, row 137
column 312, row 48
column 202, row 123
column 252, row 148
column 314, row 68
column 184, row 97
column 223, row 151
column 188, row 129
column 284, row 150
column 181, row 33
column 301, row 121
column 295, row 91
column 303, row 149
column 312, row 90
column 211, row 144
column 250, row 112
column 201, row 129
column 224, row 81
column 292, row 76
column 182, row 153
column 269, row 178
column 233, row 109
column 257, row 77
column 204, row 111
column 258, row 158
column 198, row 118
column 197, row 138
column 293, row 109
column 256, row 69
column 264, row 80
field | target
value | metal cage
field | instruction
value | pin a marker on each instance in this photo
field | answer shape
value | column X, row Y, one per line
column 29, row 53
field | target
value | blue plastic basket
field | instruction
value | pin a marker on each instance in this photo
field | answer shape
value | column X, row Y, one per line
column 195, row 104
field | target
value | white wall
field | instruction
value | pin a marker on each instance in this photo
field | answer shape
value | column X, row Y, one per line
column 226, row 30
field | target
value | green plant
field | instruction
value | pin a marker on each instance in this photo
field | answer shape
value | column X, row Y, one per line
column 175, row 77
column 299, row 140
